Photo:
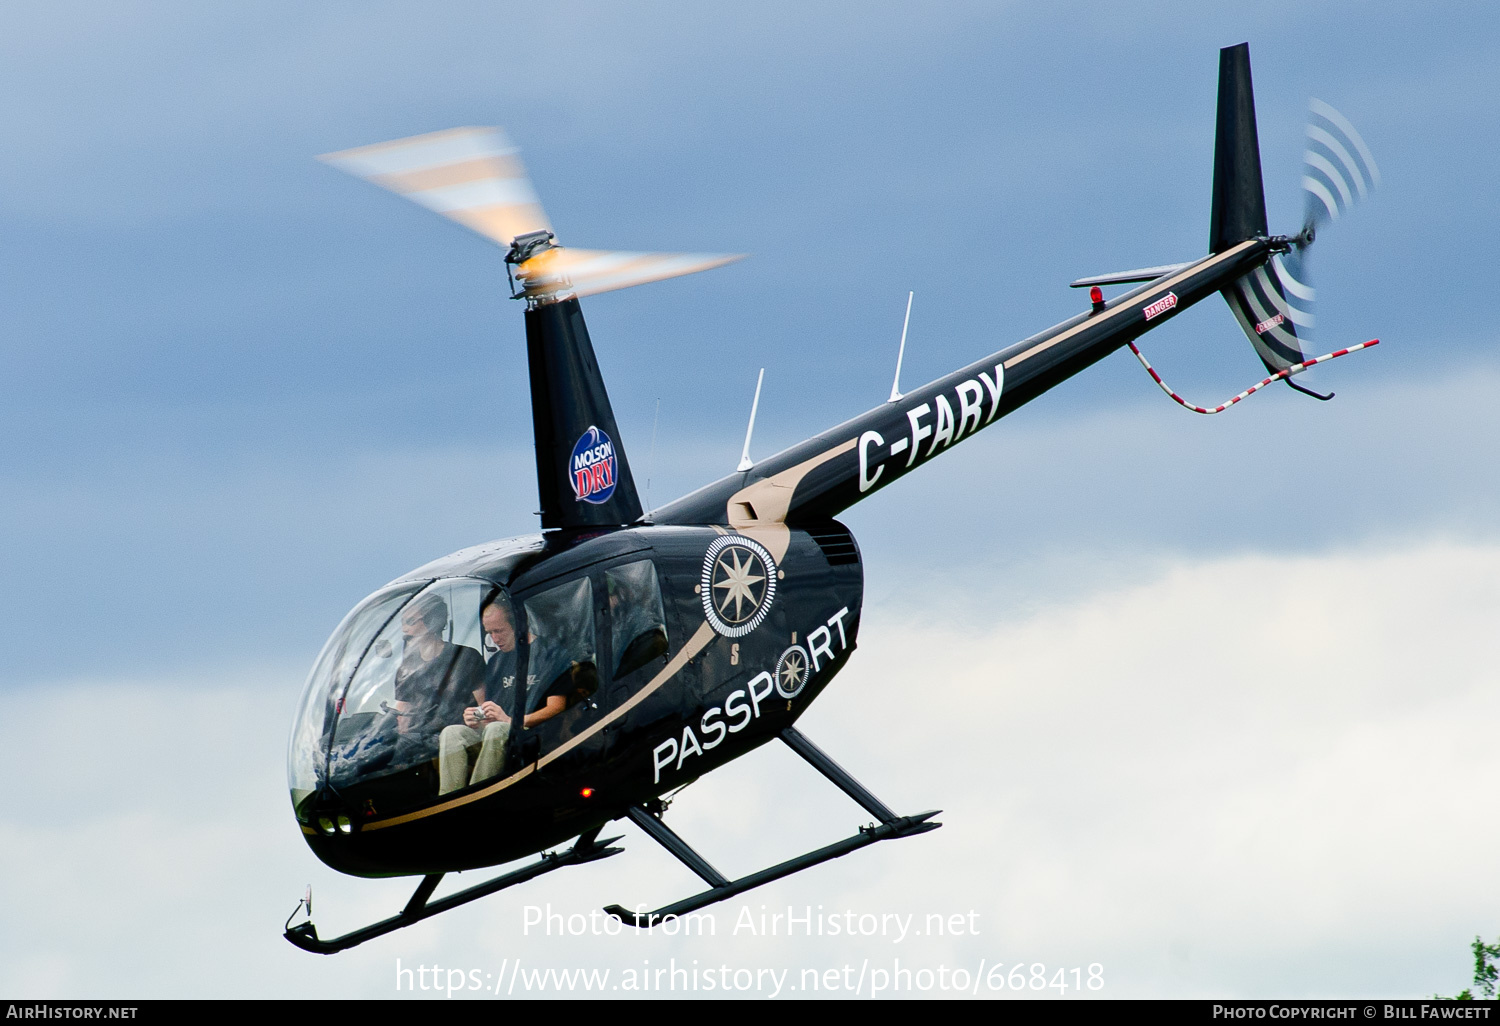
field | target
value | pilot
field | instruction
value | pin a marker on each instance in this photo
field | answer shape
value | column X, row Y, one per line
column 433, row 683
column 486, row 725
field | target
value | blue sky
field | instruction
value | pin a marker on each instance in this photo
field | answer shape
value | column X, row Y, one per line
column 199, row 310
column 241, row 390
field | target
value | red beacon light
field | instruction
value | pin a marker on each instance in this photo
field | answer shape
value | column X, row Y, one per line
column 1096, row 297
column 587, row 792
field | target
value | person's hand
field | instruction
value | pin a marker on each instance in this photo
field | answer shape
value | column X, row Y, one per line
column 473, row 717
column 489, row 712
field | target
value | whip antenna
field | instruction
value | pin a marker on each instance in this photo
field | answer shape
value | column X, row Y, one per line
column 651, row 457
column 896, row 384
column 745, row 462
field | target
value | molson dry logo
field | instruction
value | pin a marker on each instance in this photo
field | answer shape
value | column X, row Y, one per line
column 592, row 467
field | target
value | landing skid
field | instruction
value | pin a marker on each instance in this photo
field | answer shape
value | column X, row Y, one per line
column 889, row 826
column 587, row 848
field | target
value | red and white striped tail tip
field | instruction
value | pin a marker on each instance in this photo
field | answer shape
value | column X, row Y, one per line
column 1226, row 404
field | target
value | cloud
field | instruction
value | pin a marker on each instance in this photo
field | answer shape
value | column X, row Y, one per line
column 1251, row 776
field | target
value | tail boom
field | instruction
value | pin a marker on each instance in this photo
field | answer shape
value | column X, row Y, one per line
column 824, row 475
column 820, row 477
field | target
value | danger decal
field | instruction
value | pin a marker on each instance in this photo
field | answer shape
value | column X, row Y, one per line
column 1161, row 306
column 1266, row 325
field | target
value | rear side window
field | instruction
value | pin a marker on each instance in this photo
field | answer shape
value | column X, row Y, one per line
column 638, row 629
column 562, row 661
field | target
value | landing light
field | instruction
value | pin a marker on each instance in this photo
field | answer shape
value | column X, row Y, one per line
column 345, row 827
column 325, row 824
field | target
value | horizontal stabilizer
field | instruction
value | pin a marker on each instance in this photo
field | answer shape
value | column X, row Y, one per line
column 1140, row 274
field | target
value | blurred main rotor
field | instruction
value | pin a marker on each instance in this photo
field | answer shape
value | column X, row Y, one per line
column 474, row 176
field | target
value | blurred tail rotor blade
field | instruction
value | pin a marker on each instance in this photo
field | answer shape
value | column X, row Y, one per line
column 470, row 175
column 1274, row 304
column 1338, row 169
column 586, row 272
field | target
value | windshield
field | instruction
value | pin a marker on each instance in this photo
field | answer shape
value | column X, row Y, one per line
column 307, row 754
column 411, row 699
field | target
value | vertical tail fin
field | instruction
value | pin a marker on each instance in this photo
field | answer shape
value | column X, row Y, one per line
column 1239, row 210
column 583, row 479
column 1259, row 299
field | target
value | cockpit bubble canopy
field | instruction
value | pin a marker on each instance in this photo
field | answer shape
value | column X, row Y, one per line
column 402, row 666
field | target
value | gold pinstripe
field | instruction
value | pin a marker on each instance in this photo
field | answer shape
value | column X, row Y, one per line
column 695, row 644
column 771, row 499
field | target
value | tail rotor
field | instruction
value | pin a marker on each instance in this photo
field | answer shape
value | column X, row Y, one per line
column 1275, row 304
column 1338, row 168
column 1338, row 171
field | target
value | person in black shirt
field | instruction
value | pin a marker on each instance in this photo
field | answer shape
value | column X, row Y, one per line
column 434, row 683
column 482, row 737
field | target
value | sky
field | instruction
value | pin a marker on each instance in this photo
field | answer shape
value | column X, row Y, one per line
column 1208, row 702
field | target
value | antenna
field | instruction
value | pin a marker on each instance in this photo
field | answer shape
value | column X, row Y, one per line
column 896, row 384
column 651, row 459
column 745, row 461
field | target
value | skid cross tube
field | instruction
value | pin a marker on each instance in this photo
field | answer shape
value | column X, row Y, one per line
column 890, row 826
column 663, row 835
column 586, row 849
column 798, row 742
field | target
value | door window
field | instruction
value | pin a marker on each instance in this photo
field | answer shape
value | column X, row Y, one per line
column 638, row 627
column 562, row 668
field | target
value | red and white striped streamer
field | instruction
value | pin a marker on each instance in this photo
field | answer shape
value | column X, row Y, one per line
column 1288, row 372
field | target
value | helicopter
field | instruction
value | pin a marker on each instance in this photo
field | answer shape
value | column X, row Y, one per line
column 504, row 700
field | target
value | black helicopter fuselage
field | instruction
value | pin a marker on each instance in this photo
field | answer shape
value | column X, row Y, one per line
column 625, row 743
column 504, row 699
column 720, row 685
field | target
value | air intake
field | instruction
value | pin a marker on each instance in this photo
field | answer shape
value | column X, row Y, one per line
column 836, row 542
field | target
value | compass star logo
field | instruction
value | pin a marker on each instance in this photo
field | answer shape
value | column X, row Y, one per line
column 738, row 585
column 791, row 672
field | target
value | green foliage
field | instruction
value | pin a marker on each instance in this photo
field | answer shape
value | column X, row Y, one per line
column 1486, row 973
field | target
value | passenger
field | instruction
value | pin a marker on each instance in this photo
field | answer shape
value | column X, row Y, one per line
column 486, row 725
column 635, row 610
column 433, row 683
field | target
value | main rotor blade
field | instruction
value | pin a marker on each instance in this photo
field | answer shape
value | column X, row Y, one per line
column 586, row 272
column 470, row 175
